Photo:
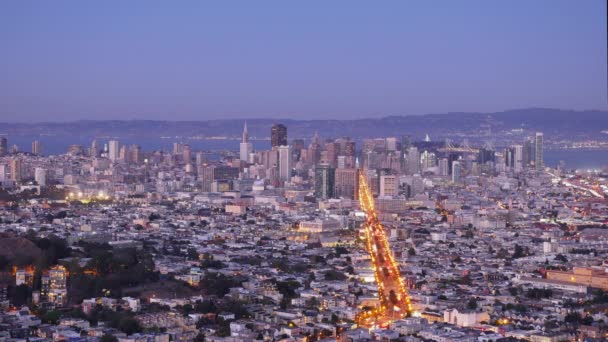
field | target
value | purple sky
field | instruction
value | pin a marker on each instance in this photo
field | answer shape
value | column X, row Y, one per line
column 184, row 60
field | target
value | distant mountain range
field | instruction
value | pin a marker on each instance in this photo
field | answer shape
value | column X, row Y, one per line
column 551, row 121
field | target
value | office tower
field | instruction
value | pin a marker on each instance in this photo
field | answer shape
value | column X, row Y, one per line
column 3, row 146
column 135, row 154
column 40, row 176
column 36, row 147
column 427, row 160
column 285, row 163
column 3, row 173
column 538, row 151
column 341, row 162
column 200, row 158
column 297, row 145
column 405, row 145
column 246, row 148
column 518, row 158
column 391, row 144
column 94, row 152
column 485, row 155
column 456, row 171
column 509, row 157
column 205, row 176
column 177, row 148
column 528, row 155
column 417, row 185
column 346, row 183
column 313, row 154
column 16, row 170
column 331, row 153
column 388, row 185
column 278, row 135
column 325, row 177
column 113, row 150
column 186, row 153
column 413, row 160
column 444, row 170
column 123, row 155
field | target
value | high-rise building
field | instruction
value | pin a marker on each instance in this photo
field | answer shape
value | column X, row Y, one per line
column 285, row 162
column 135, row 154
column 456, row 171
column 113, row 150
column 346, row 183
column 539, row 163
column 123, row 155
column 325, row 177
column 413, row 160
column 36, row 147
column 528, row 153
column 391, row 144
column 427, row 160
column 246, row 148
column 518, row 158
column 278, row 135
column 16, row 170
column 389, row 185
column 444, row 170
column 3, row 173
column 40, row 176
column 186, row 153
column 94, row 151
column 3, row 145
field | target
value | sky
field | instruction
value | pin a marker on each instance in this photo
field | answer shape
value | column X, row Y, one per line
column 199, row 60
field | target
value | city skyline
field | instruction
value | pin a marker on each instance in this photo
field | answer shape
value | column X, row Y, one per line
column 344, row 60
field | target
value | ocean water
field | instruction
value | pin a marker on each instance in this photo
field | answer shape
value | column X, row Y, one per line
column 573, row 159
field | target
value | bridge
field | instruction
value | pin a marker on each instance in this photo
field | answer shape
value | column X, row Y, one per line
column 394, row 300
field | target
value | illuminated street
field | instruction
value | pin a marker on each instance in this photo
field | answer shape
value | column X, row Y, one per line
column 393, row 297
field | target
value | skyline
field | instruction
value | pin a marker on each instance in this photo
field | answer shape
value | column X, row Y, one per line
column 199, row 62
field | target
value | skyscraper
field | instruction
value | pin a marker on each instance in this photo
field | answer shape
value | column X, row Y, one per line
column 325, row 178
column 413, row 160
column 284, row 162
column 246, row 147
column 388, row 185
column 40, row 176
column 16, row 170
column 443, row 167
column 94, row 152
column 36, row 147
column 113, row 150
column 3, row 146
column 538, row 151
column 346, row 183
column 278, row 135
column 519, row 158
column 456, row 171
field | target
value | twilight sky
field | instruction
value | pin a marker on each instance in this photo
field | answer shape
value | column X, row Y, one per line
column 184, row 60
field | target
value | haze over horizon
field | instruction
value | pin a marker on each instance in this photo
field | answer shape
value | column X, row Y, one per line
column 65, row 61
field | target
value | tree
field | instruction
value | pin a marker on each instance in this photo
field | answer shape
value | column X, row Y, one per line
column 334, row 275
column 51, row 317
column 108, row 338
column 519, row 252
column 200, row 337
column 472, row 304
column 19, row 295
column 129, row 325
column 561, row 257
column 411, row 251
